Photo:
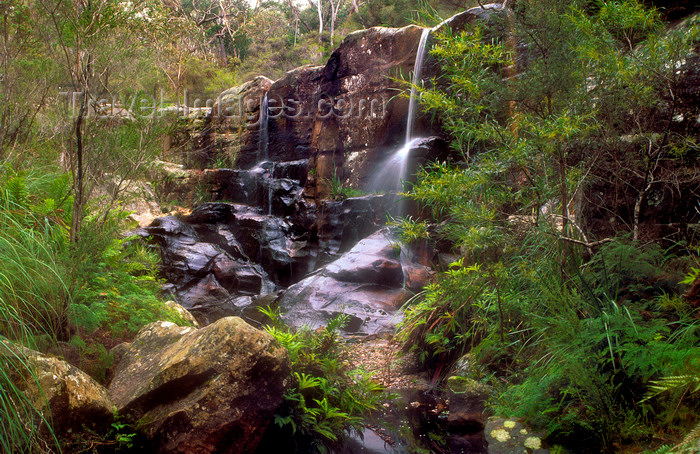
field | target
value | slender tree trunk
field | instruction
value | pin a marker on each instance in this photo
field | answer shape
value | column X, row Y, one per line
column 78, row 173
column 333, row 14
column 79, row 164
column 564, row 195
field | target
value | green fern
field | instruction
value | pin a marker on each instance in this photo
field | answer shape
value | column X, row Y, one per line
column 17, row 191
column 328, row 399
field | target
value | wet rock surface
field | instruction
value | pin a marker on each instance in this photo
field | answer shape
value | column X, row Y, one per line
column 204, row 277
column 211, row 390
column 222, row 256
column 366, row 283
column 234, row 128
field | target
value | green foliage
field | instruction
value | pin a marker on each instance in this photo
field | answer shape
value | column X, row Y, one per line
column 49, row 289
column 22, row 427
column 410, row 230
column 328, row 398
column 571, row 332
column 103, row 281
column 341, row 191
column 123, row 435
column 445, row 319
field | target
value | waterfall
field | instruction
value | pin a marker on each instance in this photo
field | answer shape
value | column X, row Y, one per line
column 417, row 69
column 270, row 189
column 390, row 175
column 263, row 139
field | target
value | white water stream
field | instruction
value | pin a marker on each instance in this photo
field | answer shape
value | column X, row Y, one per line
column 263, row 138
column 392, row 173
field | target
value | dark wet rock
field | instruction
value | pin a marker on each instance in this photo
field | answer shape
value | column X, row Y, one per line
column 294, row 170
column 467, row 404
column 233, row 130
column 341, row 224
column 366, row 283
column 203, row 276
column 211, row 390
column 293, row 104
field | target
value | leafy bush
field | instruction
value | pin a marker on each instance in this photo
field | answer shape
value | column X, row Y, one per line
column 568, row 329
column 328, row 398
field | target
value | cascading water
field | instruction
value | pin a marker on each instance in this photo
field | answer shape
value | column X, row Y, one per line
column 417, row 69
column 270, row 189
column 393, row 172
column 263, row 140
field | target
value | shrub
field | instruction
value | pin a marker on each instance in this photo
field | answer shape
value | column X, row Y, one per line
column 328, row 398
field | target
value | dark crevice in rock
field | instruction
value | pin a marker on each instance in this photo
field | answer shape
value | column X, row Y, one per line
column 171, row 391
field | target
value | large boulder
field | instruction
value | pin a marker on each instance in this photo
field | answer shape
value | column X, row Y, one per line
column 367, row 283
column 62, row 393
column 211, row 390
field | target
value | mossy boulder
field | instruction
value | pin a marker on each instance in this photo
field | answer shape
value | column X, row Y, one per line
column 62, row 393
column 205, row 390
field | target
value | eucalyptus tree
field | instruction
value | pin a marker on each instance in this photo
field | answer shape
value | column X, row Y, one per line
column 100, row 46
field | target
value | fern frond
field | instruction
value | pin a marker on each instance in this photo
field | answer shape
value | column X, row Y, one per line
column 689, row 440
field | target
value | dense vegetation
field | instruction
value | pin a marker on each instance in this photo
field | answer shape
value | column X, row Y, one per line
column 329, row 397
column 554, row 107
column 74, row 78
column 583, row 330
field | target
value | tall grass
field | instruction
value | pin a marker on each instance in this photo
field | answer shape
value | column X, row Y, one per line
column 23, row 427
column 33, row 301
column 53, row 291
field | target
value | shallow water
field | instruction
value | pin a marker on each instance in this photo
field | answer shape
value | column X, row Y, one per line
column 413, row 423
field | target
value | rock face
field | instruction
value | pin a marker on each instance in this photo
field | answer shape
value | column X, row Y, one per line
column 207, row 278
column 320, row 113
column 343, row 119
column 212, row 390
column 235, row 128
column 68, row 396
column 222, row 256
column 366, row 283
